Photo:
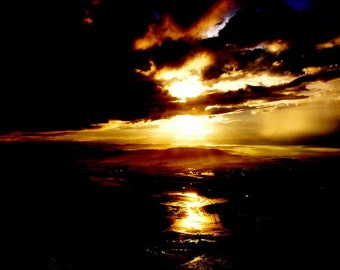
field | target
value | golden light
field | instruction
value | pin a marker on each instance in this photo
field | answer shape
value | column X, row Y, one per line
column 329, row 44
column 187, row 129
column 169, row 29
column 215, row 17
column 276, row 46
column 239, row 80
column 193, row 219
column 185, row 81
column 191, row 87
column 157, row 33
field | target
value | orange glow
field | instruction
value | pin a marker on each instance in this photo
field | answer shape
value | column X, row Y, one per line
column 87, row 18
column 329, row 44
column 276, row 46
column 157, row 33
column 88, row 21
column 239, row 79
column 194, row 220
column 215, row 15
column 186, row 81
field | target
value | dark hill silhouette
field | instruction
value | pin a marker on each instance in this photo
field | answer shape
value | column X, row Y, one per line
column 163, row 160
column 181, row 153
column 190, row 152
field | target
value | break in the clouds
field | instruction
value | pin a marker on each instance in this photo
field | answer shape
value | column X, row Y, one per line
column 223, row 71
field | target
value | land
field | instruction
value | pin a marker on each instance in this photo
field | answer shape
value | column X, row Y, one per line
column 79, row 206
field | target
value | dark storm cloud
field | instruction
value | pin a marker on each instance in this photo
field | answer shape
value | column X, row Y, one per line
column 234, row 101
column 238, row 44
column 171, row 53
column 65, row 74
column 303, row 28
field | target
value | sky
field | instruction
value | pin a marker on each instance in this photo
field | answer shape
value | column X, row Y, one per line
column 173, row 72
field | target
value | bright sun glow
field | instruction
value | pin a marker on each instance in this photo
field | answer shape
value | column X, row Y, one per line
column 187, row 128
column 190, row 87
column 186, row 81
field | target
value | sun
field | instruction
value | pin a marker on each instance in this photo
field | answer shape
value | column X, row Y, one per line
column 187, row 129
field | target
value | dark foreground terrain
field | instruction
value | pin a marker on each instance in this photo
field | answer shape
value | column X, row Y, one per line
column 280, row 214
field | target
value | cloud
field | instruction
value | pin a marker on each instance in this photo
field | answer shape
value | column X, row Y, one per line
column 91, row 68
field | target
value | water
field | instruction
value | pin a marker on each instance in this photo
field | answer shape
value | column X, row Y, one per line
column 77, row 207
column 194, row 233
column 188, row 215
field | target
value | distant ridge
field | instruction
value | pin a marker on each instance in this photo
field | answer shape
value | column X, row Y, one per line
column 189, row 152
column 157, row 160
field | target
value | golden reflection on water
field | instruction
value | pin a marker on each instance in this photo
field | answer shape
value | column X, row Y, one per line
column 189, row 216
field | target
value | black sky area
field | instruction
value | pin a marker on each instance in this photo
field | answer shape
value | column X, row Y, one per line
column 63, row 74
column 60, row 73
